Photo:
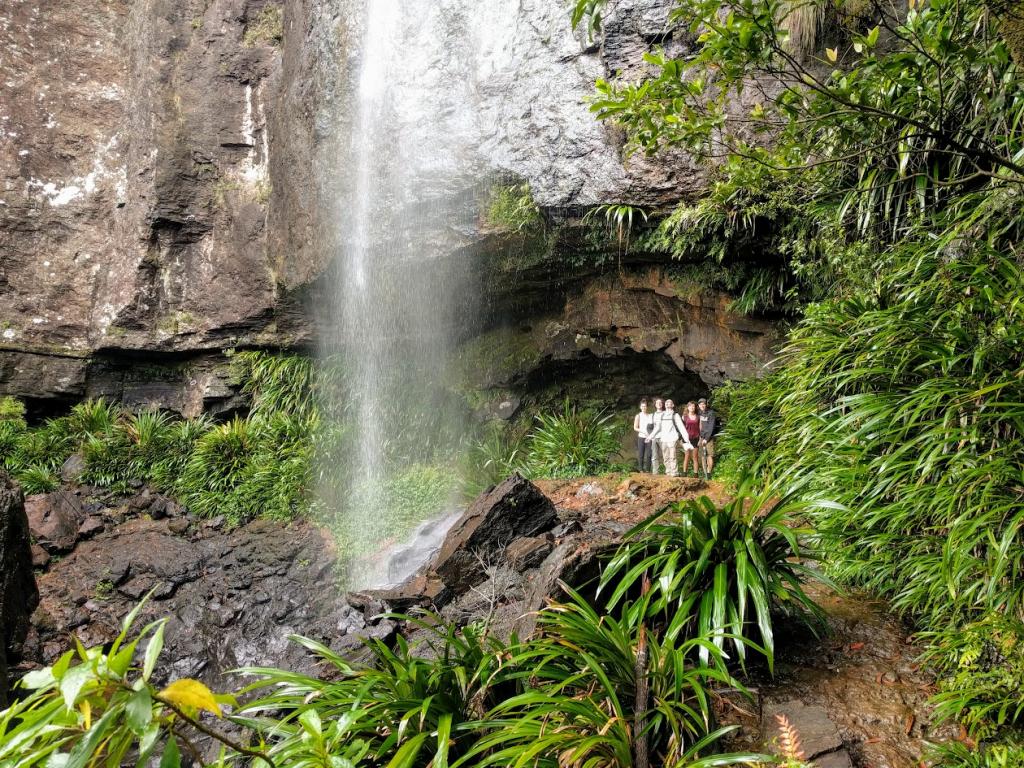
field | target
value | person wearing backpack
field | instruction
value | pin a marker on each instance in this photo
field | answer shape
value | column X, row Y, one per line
column 669, row 430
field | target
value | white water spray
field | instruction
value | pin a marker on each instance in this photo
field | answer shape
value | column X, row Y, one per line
column 402, row 296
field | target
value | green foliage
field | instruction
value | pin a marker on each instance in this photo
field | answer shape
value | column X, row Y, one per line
column 757, row 236
column 217, row 467
column 98, row 706
column 416, row 707
column 38, row 479
column 266, row 27
column 583, row 706
column 278, row 383
column 887, row 185
column 93, row 417
column 572, row 443
column 716, row 572
column 511, row 208
column 619, row 218
column 11, row 409
column 983, row 665
column 954, row 754
column 501, row 452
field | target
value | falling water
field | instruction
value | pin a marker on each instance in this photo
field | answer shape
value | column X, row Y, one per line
column 402, row 296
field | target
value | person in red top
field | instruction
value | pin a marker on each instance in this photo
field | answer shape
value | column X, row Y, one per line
column 691, row 420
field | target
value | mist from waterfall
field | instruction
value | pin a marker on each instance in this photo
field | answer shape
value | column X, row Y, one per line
column 402, row 293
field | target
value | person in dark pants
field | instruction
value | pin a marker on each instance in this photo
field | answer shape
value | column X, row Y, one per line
column 707, row 435
column 643, row 425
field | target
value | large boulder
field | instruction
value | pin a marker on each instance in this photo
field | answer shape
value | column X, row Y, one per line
column 511, row 510
column 55, row 520
column 18, row 595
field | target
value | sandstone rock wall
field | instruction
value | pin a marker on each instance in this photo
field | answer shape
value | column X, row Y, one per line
column 170, row 172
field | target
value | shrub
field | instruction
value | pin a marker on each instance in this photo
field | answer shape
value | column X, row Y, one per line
column 413, row 708
column 38, row 479
column 500, row 453
column 93, row 417
column 11, row 409
column 953, row 754
column 572, row 443
column 278, row 480
column 278, row 383
column 11, row 433
column 266, row 27
column 216, row 467
column 982, row 665
column 511, row 208
column 601, row 685
column 716, row 572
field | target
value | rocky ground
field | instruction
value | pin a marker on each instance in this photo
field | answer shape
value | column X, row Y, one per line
column 232, row 597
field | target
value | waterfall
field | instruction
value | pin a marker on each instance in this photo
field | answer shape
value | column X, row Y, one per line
column 403, row 291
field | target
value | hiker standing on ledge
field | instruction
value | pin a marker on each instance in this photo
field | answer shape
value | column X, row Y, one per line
column 707, row 436
column 669, row 430
column 643, row 425
column 656, row 457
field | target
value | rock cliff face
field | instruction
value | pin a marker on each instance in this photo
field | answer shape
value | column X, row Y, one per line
column 18, row 595
column 170, row 177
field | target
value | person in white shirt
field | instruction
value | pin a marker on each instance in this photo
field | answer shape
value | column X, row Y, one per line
column 669, row 430
column 656, row 462
column 643, row 425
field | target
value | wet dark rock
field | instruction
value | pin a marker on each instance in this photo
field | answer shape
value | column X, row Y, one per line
column 158, row 509
column 54, row 520
column 528, row 552
column 514, row 509
column 233, row 598
column 178, row 526
column 18, row 595
column 423, row 590
column 136, row 588
column 90, row 527
column 818, row 734
column 837, row 759
column 141, row 502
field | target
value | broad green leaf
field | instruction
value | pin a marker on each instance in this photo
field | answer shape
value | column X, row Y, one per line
column 155, row 645
column 139, row 711
column 171, row 757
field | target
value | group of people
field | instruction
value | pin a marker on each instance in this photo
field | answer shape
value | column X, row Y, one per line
column 659, row 432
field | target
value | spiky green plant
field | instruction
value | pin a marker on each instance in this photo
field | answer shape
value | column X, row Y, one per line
column 982, row 665
column 512, row 208
column 599, row 686
column 93, row 417
column 218, row 465
column 408, row 707
column 573, row 442
column 717, row 572
column 11, row 409
column 278, row 383
column 38, row 479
